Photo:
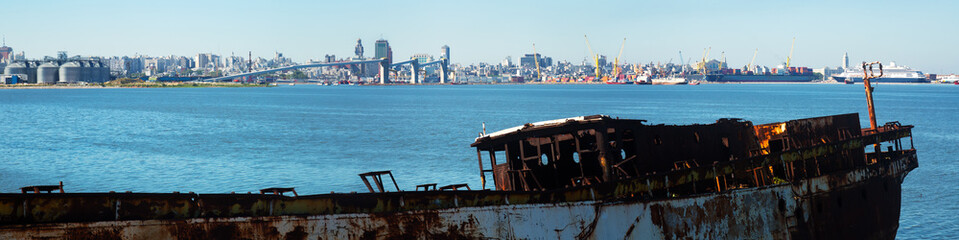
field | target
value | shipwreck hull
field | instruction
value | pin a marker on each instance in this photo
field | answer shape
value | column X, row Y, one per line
column 858, row 204
column 590, row 177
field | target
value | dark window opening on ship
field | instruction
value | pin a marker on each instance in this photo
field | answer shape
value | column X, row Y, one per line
column 777, row 145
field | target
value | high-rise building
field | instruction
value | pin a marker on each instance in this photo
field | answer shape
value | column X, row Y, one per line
column 446, row 52
column 5, row 52
column 845, row 60
column 202, row 60
column 529, row 61
column 383, row 50
column 359, row 48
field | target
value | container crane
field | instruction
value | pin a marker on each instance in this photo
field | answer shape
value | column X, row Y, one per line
column 789, row 58
column 723, row 56
column 539, row 75
column 616, row 69
column 595, row 57
column 702, row 64
column 682, row 69
column 751, row 61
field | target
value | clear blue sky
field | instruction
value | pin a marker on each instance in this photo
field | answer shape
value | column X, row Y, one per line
column 920, row 34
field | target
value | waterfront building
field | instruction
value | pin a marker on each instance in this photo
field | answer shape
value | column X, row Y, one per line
column 184, row 63
column 18, row 56
column 714, row 64
column 125, row 65
column 383, row 50
column 423, row 58
column 5, row 52
column 445, row 52
column 358, row 50
column 152, row 66
column 845, row 60
column 207, row 61
column 827, row 72
column 279, row 60
column 529, row 61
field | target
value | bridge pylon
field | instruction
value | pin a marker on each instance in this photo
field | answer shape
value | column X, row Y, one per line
column 443, row 70
column 384, row 72
column 414, row 71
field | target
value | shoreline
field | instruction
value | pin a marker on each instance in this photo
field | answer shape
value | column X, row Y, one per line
column 131, row 85
column 234, row 85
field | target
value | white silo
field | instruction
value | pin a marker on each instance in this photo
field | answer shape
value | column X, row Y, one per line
column 70, row 72
column 17, row 68
column 48, row 73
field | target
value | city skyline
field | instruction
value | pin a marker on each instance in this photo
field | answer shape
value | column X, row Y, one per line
column 911, row 33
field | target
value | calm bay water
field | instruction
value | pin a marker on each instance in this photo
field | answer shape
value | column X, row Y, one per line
column 318, row 138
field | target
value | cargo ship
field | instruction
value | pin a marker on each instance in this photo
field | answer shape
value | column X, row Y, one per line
column 588, row 177
column 893, row 74
column 794, row 74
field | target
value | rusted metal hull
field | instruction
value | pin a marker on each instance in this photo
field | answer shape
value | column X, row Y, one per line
column 862, row 203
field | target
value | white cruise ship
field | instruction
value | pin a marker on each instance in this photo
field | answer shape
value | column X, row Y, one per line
column 891, row 73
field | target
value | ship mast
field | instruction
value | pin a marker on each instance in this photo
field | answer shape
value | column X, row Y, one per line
column 867, row 74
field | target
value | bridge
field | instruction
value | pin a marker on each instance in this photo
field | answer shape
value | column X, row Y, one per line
column 415, row 65
column 383, row 65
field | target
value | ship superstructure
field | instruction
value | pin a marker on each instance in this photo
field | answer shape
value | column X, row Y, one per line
column 892, row 74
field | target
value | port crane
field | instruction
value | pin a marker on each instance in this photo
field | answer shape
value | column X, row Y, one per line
column 702, row 64
column 751, row 61
column 595, row 56
column 789, row 58
column 723, row 56
column 616, row 69
column 682, row 68
column 539, row 75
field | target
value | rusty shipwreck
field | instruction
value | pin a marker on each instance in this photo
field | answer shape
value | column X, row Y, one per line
column 587, row 177
column 590, row 177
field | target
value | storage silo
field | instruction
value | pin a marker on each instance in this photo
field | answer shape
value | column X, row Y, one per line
column 48, row 73
column 31, row 71
column 70, row 72
column 105, row 71
column 86, row 71
column 17, row 68
column 94, row 72
column 101, row 75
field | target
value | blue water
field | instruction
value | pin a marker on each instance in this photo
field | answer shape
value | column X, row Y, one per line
column 318, row 138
